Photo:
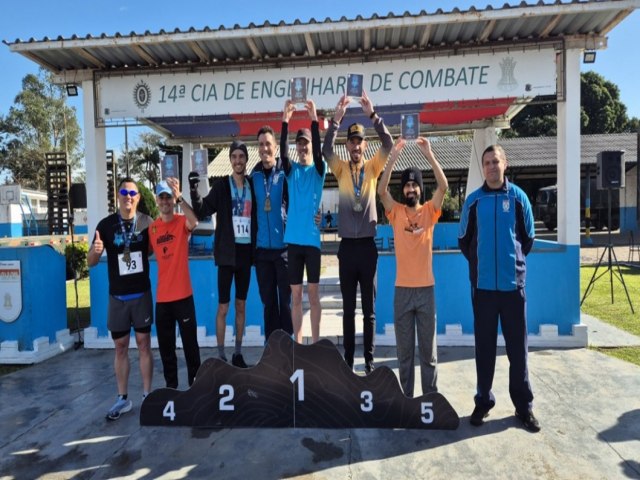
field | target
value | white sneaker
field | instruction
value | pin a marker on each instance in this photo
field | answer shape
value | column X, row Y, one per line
column 121, row 406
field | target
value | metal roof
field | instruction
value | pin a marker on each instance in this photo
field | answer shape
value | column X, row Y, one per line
column 454, row 155
column 577, row 24
column 585, row 22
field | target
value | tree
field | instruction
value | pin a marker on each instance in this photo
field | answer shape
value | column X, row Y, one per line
column 601, row 111
column 38, row 122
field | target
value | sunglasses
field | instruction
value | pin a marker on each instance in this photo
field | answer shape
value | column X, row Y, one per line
column 124, row 192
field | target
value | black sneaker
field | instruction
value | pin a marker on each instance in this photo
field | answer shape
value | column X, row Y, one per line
column 238, row 361
column 368, row 367
column 349, row 363
column 529, row 421
column 478, row 416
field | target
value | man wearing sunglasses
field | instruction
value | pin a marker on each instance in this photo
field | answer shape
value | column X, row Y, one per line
column 124, row 236
column 169, row 239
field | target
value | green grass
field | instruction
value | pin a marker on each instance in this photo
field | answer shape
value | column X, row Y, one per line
column 4, row 369
column 84, row 314
column 598, row 304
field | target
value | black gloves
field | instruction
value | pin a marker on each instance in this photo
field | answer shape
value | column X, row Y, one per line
column 194, row 181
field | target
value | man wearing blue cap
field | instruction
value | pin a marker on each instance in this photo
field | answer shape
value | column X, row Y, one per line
column 233, row 201
column 169, row 240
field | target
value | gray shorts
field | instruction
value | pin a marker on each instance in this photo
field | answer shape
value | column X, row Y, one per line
column 124, row 314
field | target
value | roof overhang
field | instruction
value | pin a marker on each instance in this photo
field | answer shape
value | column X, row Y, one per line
column 575, row 25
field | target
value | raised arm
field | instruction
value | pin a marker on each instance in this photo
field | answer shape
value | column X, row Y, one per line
column 378, row 124
column 289, row 108
column 315, row 137
column 441, row 179
column 383, row 183
column 332, row 131
column 201, row 207
column 192, row 219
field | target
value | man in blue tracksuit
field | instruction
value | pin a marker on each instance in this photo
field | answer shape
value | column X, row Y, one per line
column 271, row 253
column 496, row 233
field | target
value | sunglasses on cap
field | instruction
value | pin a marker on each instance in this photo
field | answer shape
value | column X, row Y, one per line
column 124, row 192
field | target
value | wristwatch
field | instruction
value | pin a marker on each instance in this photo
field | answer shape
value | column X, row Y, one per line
column 179, row 199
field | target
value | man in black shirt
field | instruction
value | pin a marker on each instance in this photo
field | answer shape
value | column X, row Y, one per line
column 125, row 238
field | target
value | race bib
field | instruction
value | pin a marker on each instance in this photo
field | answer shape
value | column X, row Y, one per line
column 241, row 227
column 132, row 265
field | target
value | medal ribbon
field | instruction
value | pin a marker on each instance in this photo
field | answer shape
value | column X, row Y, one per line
column 127, row 236
column 357, row 186
column 239, row 202
column 268, row 183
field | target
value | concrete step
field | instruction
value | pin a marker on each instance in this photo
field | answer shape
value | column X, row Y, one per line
column 330, row 326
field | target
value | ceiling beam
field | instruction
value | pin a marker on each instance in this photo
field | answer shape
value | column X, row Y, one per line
column 146, row 56
column 311, row 48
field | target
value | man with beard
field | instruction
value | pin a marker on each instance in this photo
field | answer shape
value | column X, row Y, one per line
column 271, row 258
column 124, row 236
column 169, row 239
column 496, row 233
column 305, row 179
column 414, row 308
column 357, row 254
column 233, row 200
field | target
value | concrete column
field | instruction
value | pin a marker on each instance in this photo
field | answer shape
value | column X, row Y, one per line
column 187, row 150
column 569, row 153
column 482, row 138
column 95, row 161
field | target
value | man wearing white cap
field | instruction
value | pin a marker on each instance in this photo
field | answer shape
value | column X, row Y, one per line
column 169, row 240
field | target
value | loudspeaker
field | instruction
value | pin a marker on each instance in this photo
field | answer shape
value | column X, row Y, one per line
column 610, row 172
column 78, row 196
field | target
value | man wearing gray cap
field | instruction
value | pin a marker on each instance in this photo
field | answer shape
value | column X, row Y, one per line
column 169, row 239
column 414, row 307
column 232, row 199
column 357, row 254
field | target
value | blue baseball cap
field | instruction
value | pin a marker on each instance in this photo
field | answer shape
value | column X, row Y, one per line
column 163, row 187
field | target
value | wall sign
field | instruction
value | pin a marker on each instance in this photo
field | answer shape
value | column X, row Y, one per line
column 10, row 290
column 512, row 74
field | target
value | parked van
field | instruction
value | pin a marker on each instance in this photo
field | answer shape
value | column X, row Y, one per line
column 546, row 207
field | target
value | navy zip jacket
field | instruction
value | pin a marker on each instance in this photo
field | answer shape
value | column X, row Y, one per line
column 218, row 201
column 270, row 224
column 496, row 233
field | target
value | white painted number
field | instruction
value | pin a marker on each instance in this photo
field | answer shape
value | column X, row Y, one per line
column 426, row 411
column 225, row 402
column 367, row 401
column 298, row 376
column 169, row 411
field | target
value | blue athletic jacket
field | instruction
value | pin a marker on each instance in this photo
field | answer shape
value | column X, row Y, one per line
column 496, row 233
column 271, row 224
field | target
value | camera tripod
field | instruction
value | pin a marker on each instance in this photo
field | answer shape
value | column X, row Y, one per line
column 611, row 261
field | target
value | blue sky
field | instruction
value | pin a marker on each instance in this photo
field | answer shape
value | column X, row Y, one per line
column 620, row 63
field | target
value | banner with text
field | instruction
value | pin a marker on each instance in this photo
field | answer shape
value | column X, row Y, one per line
column 520, row 74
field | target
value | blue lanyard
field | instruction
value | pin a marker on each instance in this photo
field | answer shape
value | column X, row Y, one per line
column 357, row 186
column 268, row 184
column 238, row 207
column 127, row 236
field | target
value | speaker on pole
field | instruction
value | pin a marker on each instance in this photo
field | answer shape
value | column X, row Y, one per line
column 78, row 195
column 610, row 172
